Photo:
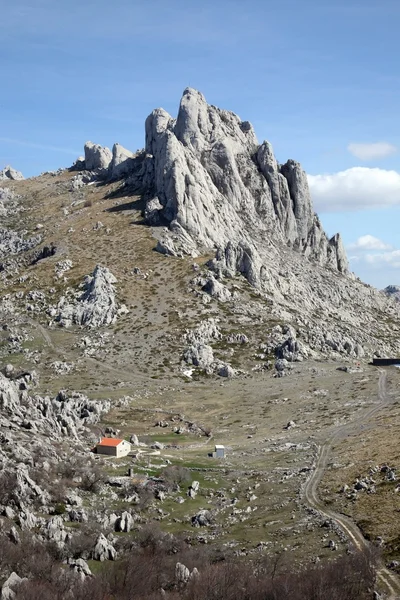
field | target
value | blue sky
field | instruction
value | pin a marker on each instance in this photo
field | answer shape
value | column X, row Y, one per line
column 317, row 78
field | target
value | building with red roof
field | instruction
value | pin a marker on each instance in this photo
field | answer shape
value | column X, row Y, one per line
column 113, row 447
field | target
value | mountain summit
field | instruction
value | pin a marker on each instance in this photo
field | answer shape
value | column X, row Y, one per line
column 210, row 180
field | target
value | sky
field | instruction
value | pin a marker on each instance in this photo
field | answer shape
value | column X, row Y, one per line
column 319, row 79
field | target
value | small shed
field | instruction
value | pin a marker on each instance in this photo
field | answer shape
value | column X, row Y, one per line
column 113, row 447
column 219, row 451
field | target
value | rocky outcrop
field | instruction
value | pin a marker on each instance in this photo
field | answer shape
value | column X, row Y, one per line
column 122, row 162
column 104, row 550
column 200, row 355
column 392, row 291
column 63, row 415
column 10, row 173
column 207, row 175
column 239, row 258
column 14, row 242
column 10, row 586
column 96, row 306
column 97, row 157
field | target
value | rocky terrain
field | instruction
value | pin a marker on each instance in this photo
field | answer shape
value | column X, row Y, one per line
column 179, row 297
column 393, row 291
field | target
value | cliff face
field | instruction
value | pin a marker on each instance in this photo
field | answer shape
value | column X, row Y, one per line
column 211, row 181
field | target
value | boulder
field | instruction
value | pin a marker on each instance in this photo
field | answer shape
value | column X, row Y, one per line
column 10, row 173
column 152, row 215
column 217, row 290
column 134, row 440
column 227, row 371
column 201, row 519
column 8, row 590
column 200, row 355
column 103, row 549
column 125, row 522
column 182, row 573
column 97, row 157
column 122, row 162
column 80, row 566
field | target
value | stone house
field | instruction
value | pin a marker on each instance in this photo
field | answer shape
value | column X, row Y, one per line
column 113, row 447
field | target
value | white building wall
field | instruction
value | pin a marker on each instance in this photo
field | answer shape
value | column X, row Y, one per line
column 123, row 448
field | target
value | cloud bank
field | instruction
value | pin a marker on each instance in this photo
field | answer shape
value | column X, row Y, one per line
column 369, row 242
column 358, row 188
column 372, row 253
column 371, row 151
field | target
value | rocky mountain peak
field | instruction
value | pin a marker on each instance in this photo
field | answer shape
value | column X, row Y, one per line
column 210, row 180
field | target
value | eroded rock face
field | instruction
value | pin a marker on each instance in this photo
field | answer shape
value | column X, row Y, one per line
column 103, row 549
column 96, row 307
column 393, row 291
column 63, row 415
column 10, row 586
column 122, row 162
column 10, row 173
column 214, row 181
column 97, row 157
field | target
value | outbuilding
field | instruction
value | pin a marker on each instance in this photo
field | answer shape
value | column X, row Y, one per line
column 219, row 451
column 113, row 447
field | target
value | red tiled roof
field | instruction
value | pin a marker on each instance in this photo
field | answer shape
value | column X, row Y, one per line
column 110, row 442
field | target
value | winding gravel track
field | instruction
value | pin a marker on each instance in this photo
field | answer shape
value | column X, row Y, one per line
column 386, row 579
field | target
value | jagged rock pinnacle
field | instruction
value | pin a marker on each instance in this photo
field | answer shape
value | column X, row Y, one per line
column 214, row 182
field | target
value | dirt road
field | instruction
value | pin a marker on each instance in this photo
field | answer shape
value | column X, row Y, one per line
column 387, row 581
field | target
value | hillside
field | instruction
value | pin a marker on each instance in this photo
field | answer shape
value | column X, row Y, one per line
column 181, row 297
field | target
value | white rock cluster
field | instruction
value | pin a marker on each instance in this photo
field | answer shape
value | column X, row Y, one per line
column 96, row 306
column 63, row 415
column 107, row 164
column 10, row 173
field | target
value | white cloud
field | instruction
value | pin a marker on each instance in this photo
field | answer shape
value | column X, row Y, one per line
column 369, row 252
column 368, row 242
column 387, row 259
column 358, row 188
column 371, row 151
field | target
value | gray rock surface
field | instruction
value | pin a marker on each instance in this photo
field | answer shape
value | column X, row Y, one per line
column 393, row 291
column 13, row 242
column 63, row 415
column 8, row 590
column 182, row 573
column 10, row 173
column 104, row 550
column 96, row 306
column 97, row 157
column 200, row 355
column 122, row 162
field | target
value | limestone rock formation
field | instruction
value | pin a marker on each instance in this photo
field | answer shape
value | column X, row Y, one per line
column 218, row 185
column 182, row 573
column 122, row 162
column 14, row 242
column 103, row 549
column 10, row 586
column 97, row 157
column 10, row 173
column 63, row 415
column 393, row 291
column 96, row 306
